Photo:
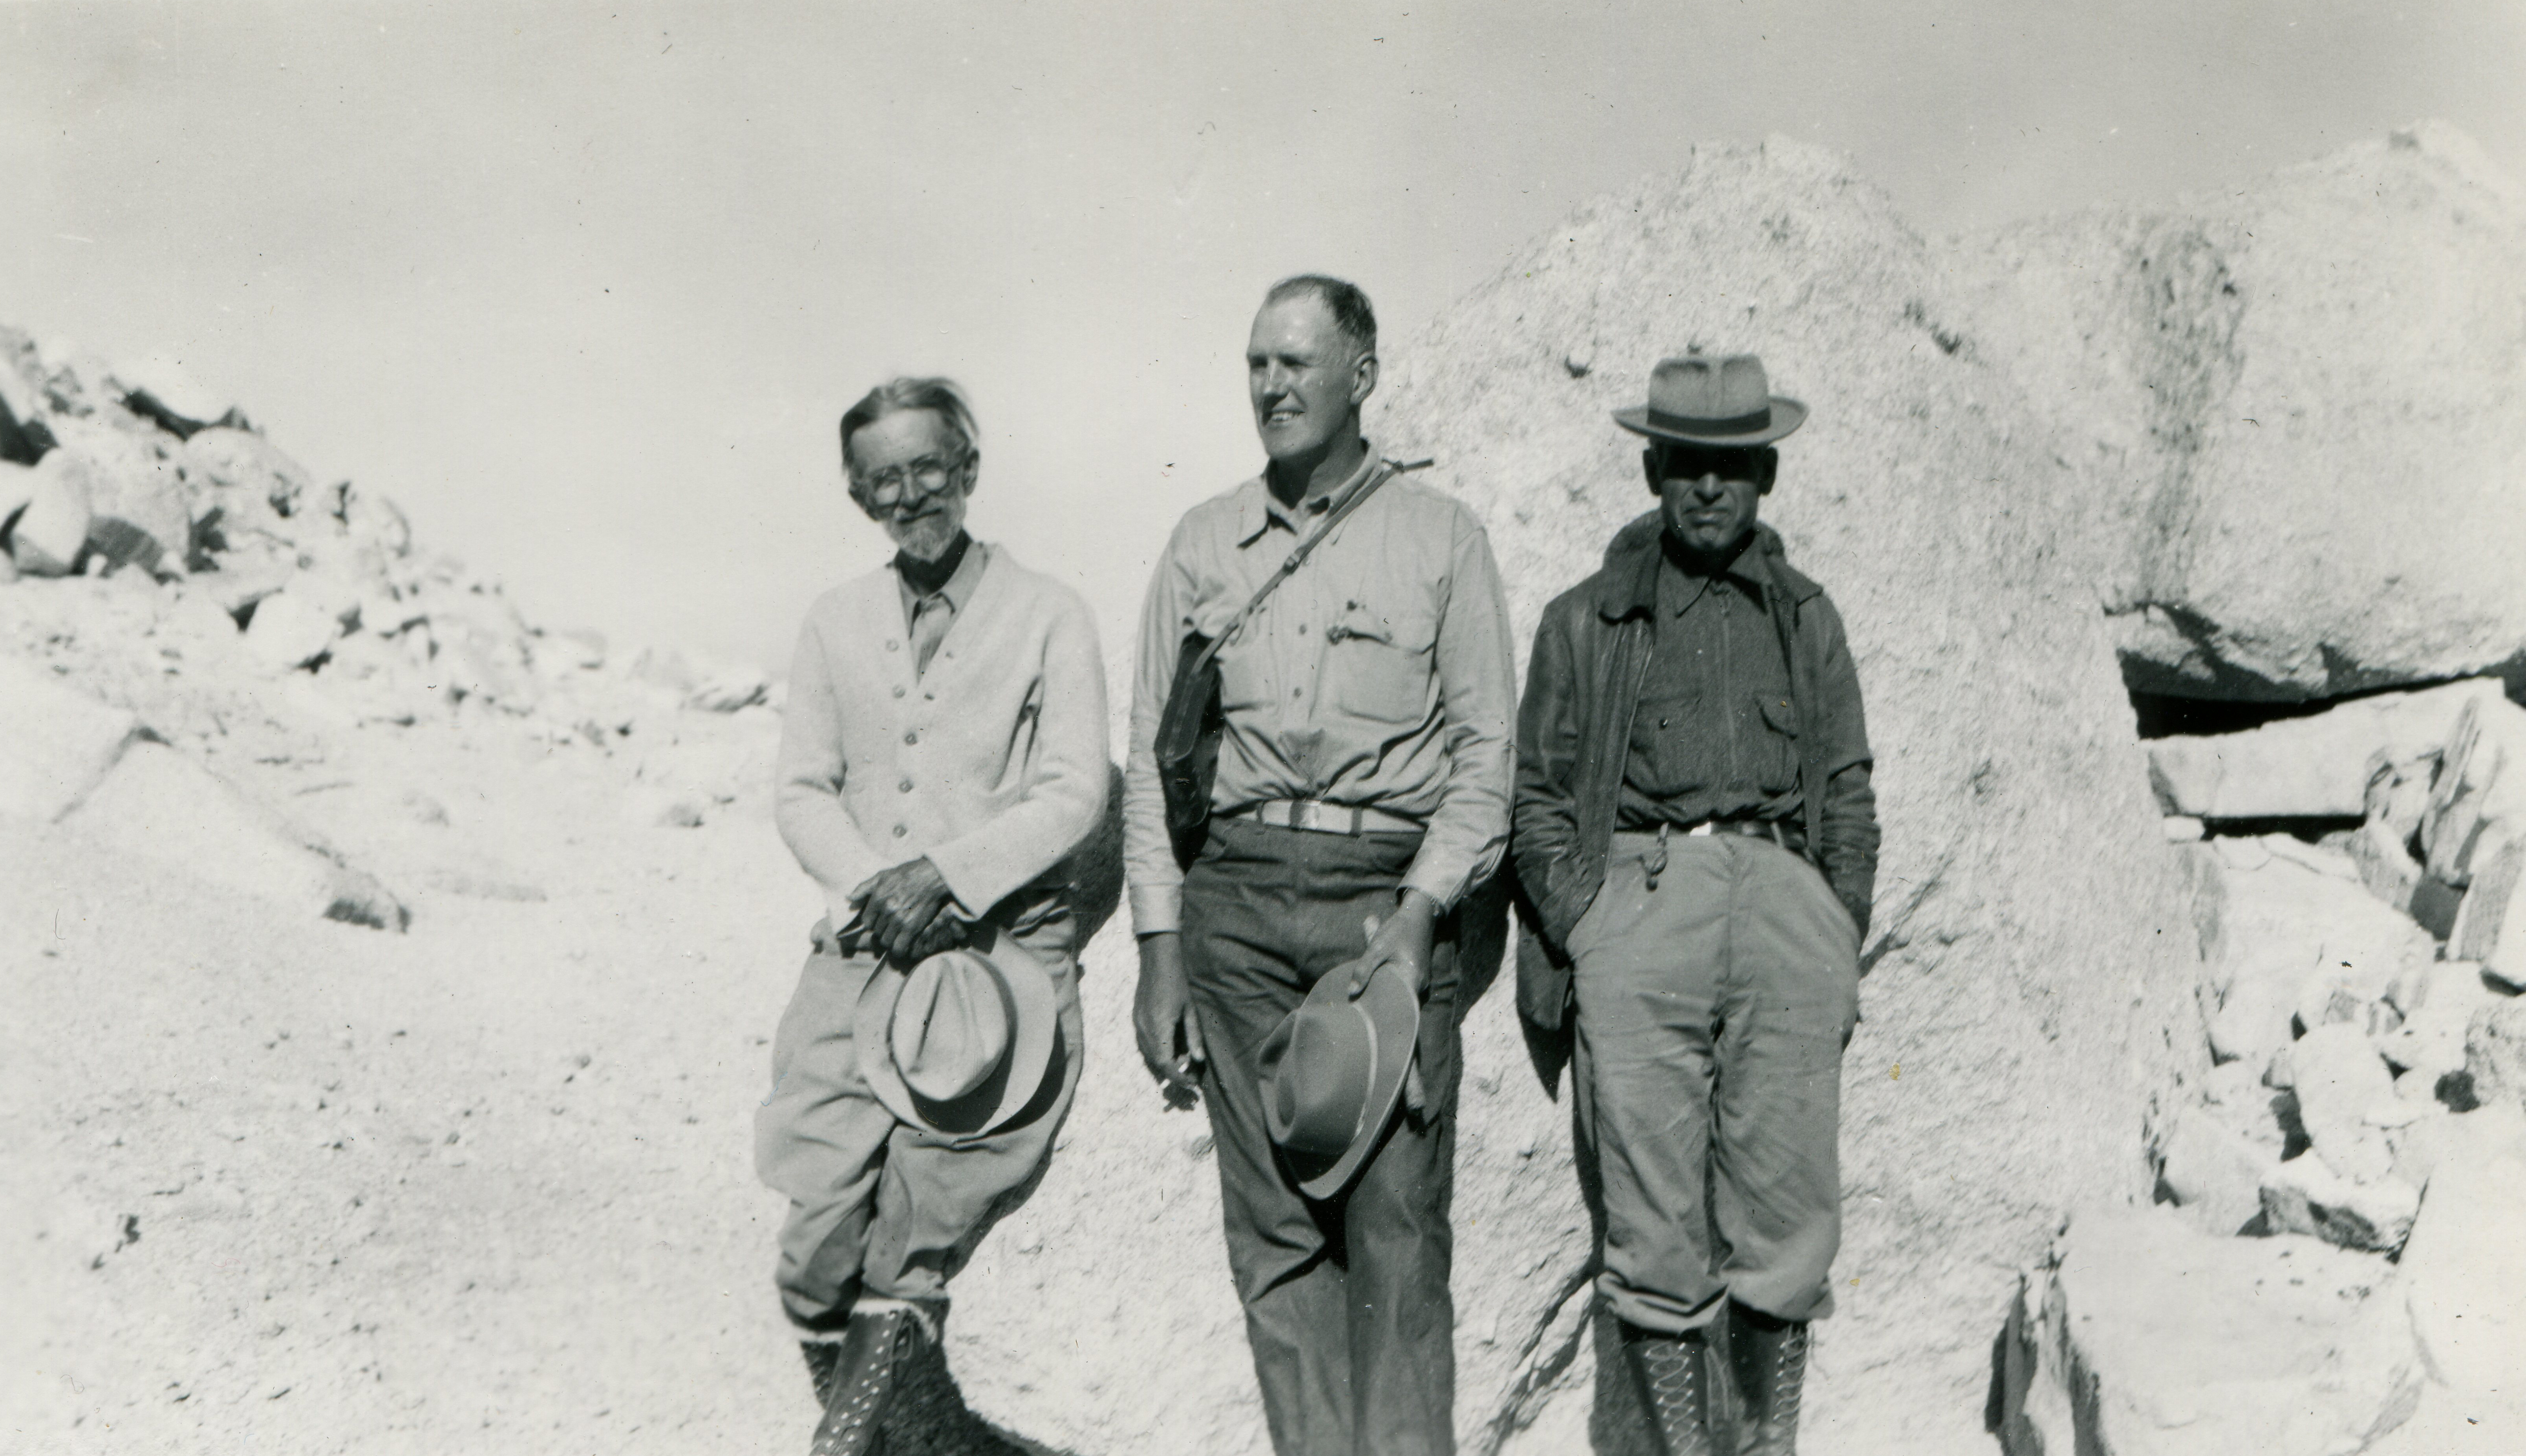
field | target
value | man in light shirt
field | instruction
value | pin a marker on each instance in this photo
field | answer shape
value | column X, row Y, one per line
column 943, row 755
column 1362, row 790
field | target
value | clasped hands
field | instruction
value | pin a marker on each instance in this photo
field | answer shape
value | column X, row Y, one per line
column 904, row 911
column 1168, row 1027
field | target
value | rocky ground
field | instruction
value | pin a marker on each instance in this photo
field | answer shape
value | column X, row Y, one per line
column 391, row 977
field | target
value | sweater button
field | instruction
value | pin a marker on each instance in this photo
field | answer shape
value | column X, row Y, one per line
column 905, row 785
column 898, row 693
column 900, row 832
column 911, row 738
column 891, row 645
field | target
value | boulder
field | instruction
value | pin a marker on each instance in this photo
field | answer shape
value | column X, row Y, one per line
column 2035, row 943
column 2338, row 1077
column 2150, row 1338
column 2387, row 869
column 2491, row 920
column 160, row 804
column 16, row 487
column 2495, row 1053
column 56, row 744
column 288, row 631
column 52, row 527
column 24, row 434
column 2306, row 1195
column 137, row 513
column 2193, row 355
column 2468, row 1287
column 249, row 471
column 2213, row 1169
column 2478, row 801
column 159, row 388
column 2317, row 767
column 728, row 690
column 2430, row 1037
column 2299, row 945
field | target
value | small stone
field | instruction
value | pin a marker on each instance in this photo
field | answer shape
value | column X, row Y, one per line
column 2214, row 1170
column 2337, row 1077
column 2495, row 1053
column 286, row 631
column 52, row 529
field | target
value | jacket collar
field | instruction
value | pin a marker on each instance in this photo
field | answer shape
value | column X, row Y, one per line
column 1627, row 585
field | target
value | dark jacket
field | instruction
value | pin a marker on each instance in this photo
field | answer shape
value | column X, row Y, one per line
column 1574, row 732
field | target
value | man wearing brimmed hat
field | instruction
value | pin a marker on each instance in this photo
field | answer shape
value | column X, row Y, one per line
column 1696, row 842
column 1361, row 793
column 942, row 754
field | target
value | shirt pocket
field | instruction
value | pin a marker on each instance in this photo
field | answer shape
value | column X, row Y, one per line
column 1778, row 764
column 1244, row 666
column 1378, row 660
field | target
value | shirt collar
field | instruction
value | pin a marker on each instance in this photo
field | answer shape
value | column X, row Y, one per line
column 959, row 588
column 1257, row 507
column 1751, row 568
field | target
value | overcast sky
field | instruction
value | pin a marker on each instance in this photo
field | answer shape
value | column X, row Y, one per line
column 586, row 286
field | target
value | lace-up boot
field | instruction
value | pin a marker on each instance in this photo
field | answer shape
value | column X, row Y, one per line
column 861, row 1380
column 1769, row 1359
column 1675, row 1388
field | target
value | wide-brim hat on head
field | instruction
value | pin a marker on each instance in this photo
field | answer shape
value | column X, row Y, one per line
column 1726, row 401
column 960, row 1043
column 1333, row 1072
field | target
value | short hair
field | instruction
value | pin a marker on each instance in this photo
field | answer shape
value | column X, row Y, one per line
column 935, row 393
column 1352, row 316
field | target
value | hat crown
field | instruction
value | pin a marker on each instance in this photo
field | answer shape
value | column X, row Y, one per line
column 951, row 1025
column 1698, row 391
column 1320, row 1088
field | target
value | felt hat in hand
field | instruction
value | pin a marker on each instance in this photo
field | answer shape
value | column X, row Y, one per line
column 961, row 1043
column 1727, row 402
column 1333, row 1072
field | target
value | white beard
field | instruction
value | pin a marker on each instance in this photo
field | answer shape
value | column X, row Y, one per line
column 927, row 537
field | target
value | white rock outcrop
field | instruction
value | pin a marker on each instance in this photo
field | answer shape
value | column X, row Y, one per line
column 2147, row 1337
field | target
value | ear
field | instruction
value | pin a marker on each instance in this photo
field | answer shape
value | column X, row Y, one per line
column 1767, row 472
column 1650, row 470
column 1363, row 379
column 974, row 471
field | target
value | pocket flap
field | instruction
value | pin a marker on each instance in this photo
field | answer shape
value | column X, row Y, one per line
column 1410, row 627
column 1780, row 712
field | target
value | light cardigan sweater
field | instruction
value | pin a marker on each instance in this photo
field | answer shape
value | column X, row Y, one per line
column 992, row 762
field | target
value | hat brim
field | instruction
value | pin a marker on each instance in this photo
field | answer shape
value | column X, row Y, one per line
column 1035, row 1020
column 1787, row 416
column 1395, row 1015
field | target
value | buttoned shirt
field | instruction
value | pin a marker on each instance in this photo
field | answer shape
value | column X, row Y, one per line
column 1715, row 735
column 1378, row 674
column 927, row 615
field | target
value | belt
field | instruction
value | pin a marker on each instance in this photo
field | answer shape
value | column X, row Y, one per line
column 1650, row 844
column 1328, row 819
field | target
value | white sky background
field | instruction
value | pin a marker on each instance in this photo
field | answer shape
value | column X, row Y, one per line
column 584, row 287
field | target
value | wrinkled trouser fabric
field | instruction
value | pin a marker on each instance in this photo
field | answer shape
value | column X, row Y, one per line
column 1713, row 1011
column 1346, row 1302
column 877, row 1207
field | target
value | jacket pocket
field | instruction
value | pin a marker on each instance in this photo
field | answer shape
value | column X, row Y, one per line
column 1778, row 767
column 1378, row 660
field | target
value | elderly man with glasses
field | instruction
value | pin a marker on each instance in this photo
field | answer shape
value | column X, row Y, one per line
column 943, row 755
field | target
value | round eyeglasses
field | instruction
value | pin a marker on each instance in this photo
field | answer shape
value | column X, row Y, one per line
column 925, row 477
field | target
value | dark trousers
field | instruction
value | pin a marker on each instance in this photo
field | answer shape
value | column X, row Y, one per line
column 1347, row 1303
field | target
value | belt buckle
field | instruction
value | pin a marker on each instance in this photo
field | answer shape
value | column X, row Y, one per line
column 1705, row 829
